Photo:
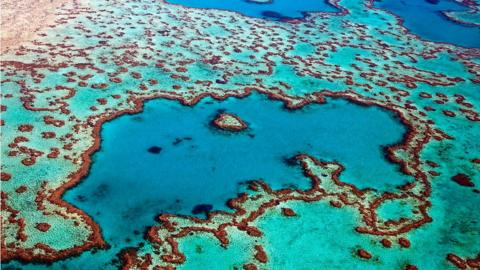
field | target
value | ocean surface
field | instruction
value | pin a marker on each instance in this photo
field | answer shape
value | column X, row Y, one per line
column 422, row 17
column 426, row 19
column 201, row 164
column 272, row 10
column 170, row 158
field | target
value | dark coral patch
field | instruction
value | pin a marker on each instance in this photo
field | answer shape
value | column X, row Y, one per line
column 21, row 189
column 463, row 180
column 250, row 266
column 404, row 242
column 154, row 150
column 101, row 190
column 288, row 212
column 362, row 253
column 260, row 255
column 25, row 128
column 43, row 227
column 386, row 243
column 457, row 261
column 81, row 198
column 48, row 135
column 290, row 161
column 336, row 204
column 274, row 15
column 179, row 140
column 202, row 208
column 5, row 176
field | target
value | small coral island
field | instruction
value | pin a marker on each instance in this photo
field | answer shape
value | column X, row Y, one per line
column 229, row 122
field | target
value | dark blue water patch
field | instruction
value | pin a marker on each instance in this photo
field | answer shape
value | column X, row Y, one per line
column 273, row 10
column 202, row 209
column 200, row 166
column 425, row 19
column 274, row 15
column 154, row 150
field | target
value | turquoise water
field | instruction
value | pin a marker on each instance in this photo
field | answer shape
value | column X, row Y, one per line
column 170, row 159
column 422, row 18
column 426, row 20
column 199, row 164
column 275, row 10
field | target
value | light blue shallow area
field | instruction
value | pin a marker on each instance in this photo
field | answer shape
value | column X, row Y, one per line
column 427, row 20
column 282, row 7
column 128, row 186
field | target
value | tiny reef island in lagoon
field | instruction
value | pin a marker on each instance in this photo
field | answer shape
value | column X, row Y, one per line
column 240, row 134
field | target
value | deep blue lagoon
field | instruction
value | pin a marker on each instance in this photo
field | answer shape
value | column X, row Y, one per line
column 273, row 10
column 170, row 158
column 425, row 18
column 129, row 184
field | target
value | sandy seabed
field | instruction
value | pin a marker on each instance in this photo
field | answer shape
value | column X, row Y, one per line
column 20, row 19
